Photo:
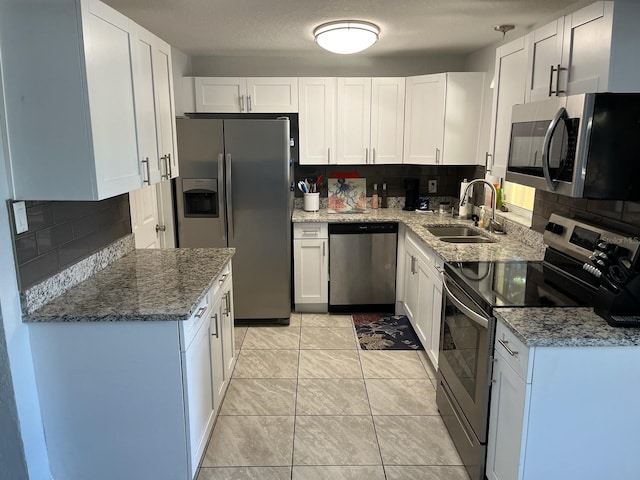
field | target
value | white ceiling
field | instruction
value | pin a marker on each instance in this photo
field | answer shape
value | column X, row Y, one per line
column 284, row 27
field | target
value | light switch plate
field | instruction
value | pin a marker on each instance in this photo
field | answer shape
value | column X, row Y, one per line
column 433, row 186
column 20, row 216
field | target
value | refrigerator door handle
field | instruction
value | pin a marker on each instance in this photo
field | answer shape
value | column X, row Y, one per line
column 221, row 196
column 229, row 197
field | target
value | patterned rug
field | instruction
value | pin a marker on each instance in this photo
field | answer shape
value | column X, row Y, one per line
column 385, row 332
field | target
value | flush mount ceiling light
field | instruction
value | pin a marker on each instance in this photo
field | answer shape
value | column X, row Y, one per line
column 346, row 36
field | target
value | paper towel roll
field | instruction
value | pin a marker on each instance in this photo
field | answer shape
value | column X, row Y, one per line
column 467, row 208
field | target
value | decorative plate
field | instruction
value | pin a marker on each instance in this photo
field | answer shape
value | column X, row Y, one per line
column 347, row 195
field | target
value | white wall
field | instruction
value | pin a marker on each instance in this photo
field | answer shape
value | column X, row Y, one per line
column 16, row 332
column 329, row 65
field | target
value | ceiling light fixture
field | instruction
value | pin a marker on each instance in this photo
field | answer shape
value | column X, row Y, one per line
column 346, row 36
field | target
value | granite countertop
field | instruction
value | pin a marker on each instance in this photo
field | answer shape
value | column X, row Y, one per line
column 565, row 327
column 145, row 285
column 507, row 247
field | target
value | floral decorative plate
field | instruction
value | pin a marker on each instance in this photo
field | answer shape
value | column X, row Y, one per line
column 347, row 195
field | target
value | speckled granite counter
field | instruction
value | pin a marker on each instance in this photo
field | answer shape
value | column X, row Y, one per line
column 145, row 285
column 565, row 327
column 507, row 247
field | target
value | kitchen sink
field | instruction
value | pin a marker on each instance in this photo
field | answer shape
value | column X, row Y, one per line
column 453, row 231
column 468, row 239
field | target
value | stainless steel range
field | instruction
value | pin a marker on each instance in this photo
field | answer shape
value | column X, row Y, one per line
column 473, row 289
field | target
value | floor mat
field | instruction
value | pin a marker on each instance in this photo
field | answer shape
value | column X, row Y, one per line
column 385, row 332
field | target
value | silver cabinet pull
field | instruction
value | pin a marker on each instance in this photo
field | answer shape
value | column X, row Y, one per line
column 168, row 159
column 413, row 264
column 146, row 164
column 242, row 103
column 323, row 250
column 160, row 228
column 227, row 303
column 557, row 70
column 437, row 155
column 373, row 156
column 200, row 311
column 329, row 155
column 513, row 353
column 488, row 156
column 249, row 103
column 215, row 321
column 366, row 155
column 163, row 160
column 224, row 277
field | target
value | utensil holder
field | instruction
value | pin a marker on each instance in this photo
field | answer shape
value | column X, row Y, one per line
column 312, row 202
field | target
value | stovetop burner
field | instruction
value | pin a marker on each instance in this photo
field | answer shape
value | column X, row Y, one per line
column 518, row 284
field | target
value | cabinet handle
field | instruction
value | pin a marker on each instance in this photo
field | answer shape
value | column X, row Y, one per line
column 413, row 264
column 366, row 155
column 329, row 155
column 557, row 70
column 163, row 159
column 224, row 277
column 227, row 303
column 168, row 160
column 200, row 311
column 488, row 156
column 513, row 353
column 146, row 163
column 249, row 103
column 437, row 155
column 242, row 103
column 215, row 316
column 373, row 156
column 323, row 250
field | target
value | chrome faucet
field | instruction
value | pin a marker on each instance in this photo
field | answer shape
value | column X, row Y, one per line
column 493, row 226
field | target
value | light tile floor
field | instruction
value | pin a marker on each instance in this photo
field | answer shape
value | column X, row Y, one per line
column 305, row 403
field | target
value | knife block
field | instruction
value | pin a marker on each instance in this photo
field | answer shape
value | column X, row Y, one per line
column 625, row 303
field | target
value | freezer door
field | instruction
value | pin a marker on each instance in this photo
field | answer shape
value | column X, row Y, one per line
column 259, row 216
column 200, row 147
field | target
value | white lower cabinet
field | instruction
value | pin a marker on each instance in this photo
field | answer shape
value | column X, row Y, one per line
column 311, row 267
column 560, row 412
column 133, row 400
column 421, row 295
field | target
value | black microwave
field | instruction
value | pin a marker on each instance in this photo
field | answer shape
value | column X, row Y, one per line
column 585, row 146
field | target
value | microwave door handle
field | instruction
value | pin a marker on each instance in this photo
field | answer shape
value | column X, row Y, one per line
column 546, row 168
column 479, row 319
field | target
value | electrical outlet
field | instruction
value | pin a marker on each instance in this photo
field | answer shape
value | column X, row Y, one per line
column 433, row 186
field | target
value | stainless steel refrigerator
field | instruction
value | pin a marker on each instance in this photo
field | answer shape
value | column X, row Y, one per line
column 234, row 190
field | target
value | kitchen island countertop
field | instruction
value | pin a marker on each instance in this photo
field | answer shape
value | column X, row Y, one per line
column 506, row 247
column 145, row 285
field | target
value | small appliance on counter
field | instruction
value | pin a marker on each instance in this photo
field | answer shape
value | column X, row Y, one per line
column 412, row 193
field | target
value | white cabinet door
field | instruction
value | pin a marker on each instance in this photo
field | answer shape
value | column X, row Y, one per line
column 227, row 332
column 317, row 120
column 433, row 344
column 387, row 120
column 220, row 94
column 354, row 121
column 423, row 321
column 199, row 397
column 505, row 422
column 509, row 89
column 217, row 353
column 586, row 50
column 109, row 41
column 163, row 80
column 545, row 54
column 146, row 108
column 143, row 204
column 410, row 297
column 424, row 119
column 267, row 95
column 311, row 274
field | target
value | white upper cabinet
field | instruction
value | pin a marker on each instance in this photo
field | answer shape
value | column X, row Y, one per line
column 387, row 119
column 354, row 121
column 317, row 120
column 351, row 121
column 442, row 118
column 509, row 89
column 69, row 96
column 155, row 112
column 246, row 95
column 582, row 52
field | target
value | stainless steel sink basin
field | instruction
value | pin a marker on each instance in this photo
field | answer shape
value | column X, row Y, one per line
column 468, row 239
column 453, row 231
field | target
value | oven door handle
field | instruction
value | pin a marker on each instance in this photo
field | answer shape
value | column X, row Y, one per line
column 546, row 162
column 479, row 319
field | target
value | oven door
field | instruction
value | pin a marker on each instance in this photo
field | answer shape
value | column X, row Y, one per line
column 466, row 341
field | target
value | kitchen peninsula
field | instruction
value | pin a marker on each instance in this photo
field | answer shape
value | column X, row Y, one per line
column 133, row 363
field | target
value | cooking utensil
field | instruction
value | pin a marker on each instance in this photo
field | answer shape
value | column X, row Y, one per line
column 302, row 186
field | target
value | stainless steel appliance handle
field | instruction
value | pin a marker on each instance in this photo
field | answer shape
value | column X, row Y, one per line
column 479, row 319
column 146, row 163
column 215, row 316
column 221, row 207
column 513, row 353
column 547, row 148
column 229, row 196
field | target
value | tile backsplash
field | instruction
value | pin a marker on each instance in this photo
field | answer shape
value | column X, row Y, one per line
column 63, row 233
column 614, row 214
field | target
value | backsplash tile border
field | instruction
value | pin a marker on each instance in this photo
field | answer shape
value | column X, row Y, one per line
column 36, row 296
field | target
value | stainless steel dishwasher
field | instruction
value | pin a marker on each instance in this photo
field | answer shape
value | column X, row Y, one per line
column 362, row 267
